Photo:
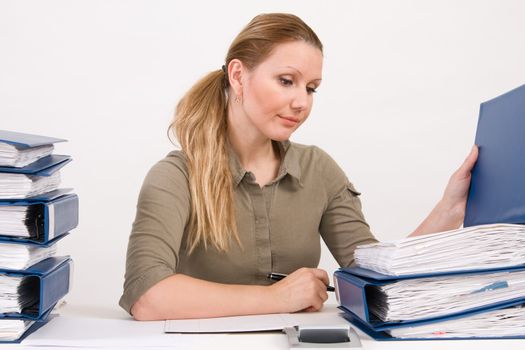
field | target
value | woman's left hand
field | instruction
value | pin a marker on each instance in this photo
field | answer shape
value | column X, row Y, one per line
column 456, row 192
column 450, row 211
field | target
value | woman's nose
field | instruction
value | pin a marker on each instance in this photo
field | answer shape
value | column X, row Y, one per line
column 300, row 100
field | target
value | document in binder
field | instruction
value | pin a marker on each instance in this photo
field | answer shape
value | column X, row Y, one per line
column 458, row 305
column 39, row 219
column 30, row 293
column 473, row 248
column 42, row 167
column 497, row 193
column 493, row 323
column 14, row 330
column 20, row 149
column 386, row 302
column 36, row 179
column 16, row 255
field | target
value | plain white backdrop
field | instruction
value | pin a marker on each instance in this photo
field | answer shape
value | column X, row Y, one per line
column 397, row 108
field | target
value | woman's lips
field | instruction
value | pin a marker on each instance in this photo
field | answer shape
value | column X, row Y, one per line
column 289, row 121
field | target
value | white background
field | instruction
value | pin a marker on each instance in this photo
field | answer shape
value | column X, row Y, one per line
column 397, row 109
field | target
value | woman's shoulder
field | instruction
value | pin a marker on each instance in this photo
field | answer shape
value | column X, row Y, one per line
column 172, row 168
column 318, row 167
column 311, row 154
column 176, row 160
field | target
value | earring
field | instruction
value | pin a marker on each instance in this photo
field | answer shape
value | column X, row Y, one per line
column 237, row 99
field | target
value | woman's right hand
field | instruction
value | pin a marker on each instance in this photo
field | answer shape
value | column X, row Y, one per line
column 302, row 290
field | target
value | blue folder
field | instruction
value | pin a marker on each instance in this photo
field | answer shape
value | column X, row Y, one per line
column 46, row 317
column 382, row 335
column 22, row 140
column 352, row 284
column 58, row 214
column 43, row 167
column 53, row 280
column 497, row 194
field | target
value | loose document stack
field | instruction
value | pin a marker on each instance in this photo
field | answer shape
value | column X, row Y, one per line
column 460, row 284
column 34, row 215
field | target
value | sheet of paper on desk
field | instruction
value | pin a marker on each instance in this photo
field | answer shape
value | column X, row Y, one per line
column 254, row 323
column 96, row 332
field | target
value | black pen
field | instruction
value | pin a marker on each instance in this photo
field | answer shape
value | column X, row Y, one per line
column 276, row 276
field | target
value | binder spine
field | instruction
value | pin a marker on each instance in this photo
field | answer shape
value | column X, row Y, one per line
column 50, row 221
column 352, row 295
column 62, row 215
column 54, row 286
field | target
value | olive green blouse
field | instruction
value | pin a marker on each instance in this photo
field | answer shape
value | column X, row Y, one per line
column 279, row 225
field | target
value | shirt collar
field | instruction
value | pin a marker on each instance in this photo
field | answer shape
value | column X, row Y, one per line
column 289, row 165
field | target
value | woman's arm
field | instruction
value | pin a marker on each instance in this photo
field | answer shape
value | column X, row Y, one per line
column 449, row 213
column 180, row 297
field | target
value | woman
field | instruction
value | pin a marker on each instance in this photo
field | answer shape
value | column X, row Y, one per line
column 240, row 201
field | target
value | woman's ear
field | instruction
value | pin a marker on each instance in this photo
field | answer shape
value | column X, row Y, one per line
column 236, row 71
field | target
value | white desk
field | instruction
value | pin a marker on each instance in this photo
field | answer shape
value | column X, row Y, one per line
column 98, row 328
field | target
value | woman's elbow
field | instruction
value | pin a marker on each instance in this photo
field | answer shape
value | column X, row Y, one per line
column 158, row 302
column 146, row 309
column 140, row 312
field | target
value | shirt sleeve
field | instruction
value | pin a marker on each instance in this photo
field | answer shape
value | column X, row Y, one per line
column 343, row 226
column 162, row 214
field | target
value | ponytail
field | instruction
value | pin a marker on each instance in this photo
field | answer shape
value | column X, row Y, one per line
column 201, row 127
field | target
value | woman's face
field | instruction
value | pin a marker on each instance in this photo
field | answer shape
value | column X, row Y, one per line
column 277, row 95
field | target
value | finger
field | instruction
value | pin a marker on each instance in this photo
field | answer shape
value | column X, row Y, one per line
column 318, row 305
column 323, row 295
column 321, row 275
column 468, row 164
column 315, row 306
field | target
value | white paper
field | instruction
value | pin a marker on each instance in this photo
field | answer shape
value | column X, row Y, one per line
column 9, row 297
column 414, row 299
column 476, row 247
column 21, row 256
column 253, row 323
column 98, row 332
column 228, row 324
column 11, row 329
column 13, row 220
column 19, row 186
column 16, row 157
column 495, row 323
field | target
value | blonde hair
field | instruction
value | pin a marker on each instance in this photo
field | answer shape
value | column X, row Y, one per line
column 200, row 125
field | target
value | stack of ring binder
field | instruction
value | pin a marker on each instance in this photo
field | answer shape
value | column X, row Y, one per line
column 452, row 311
column 35, row 214
column 460, row 284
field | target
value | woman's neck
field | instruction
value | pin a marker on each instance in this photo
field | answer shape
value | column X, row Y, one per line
column 255, row 151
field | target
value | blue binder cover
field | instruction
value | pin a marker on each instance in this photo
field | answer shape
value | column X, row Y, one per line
column 53, row 280
column 22, row 140
column 43, row 167
column 497, row 194
column 56, row 214
column 48, row 196
column 351, row 292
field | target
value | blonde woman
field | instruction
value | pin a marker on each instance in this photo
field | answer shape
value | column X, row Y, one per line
column 240, row 201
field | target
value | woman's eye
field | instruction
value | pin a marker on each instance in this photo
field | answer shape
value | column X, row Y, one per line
column 311, row 90
column 285, row 81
